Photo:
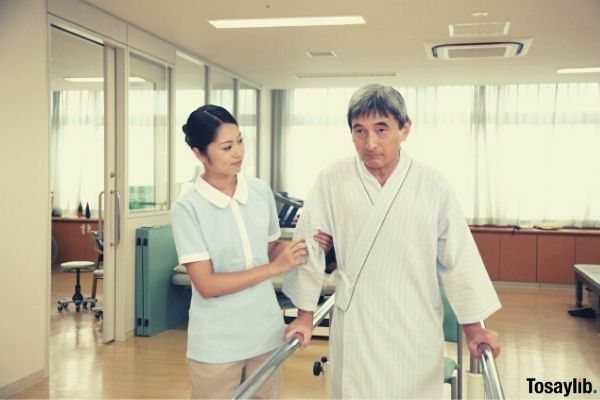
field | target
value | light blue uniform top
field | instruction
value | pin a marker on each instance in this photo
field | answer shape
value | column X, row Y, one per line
column 233, row 233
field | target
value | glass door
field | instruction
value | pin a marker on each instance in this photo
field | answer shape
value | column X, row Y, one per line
column 79, row 169
column 111, row 119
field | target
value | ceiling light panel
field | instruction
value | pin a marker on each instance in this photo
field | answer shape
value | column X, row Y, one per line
column 98, row 79
column 287, row 22
column 583, row 70
column 309, row 75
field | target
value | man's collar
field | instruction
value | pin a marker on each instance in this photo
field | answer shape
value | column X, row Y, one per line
column 366, row 174
column 220, row 199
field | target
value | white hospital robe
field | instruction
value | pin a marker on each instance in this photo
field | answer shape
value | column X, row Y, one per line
column 395, row 245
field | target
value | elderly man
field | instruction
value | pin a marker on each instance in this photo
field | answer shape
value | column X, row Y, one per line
column 399, row 236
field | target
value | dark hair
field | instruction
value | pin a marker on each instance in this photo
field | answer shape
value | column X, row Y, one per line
column 377, row 99
column 202, row 125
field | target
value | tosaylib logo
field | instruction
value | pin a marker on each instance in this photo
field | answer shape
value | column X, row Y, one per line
column 566, row 388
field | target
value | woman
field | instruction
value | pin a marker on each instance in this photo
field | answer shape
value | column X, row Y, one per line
column 225, row 232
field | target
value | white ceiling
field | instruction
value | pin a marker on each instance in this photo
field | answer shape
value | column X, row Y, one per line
column 565, row 33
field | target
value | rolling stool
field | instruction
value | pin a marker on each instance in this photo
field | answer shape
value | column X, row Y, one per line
column 98, row 311
column 98, row 274
column 77, row 299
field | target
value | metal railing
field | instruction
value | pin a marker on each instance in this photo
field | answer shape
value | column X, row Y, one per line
column 249, row 387
column 486, row 366
column 491, row 379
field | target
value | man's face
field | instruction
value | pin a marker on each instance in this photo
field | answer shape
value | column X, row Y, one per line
column 377, row 140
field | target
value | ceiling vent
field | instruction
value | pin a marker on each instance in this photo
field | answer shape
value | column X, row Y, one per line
column 317, row 54
column 462, row 51
column 309, row 75
column 479, row 29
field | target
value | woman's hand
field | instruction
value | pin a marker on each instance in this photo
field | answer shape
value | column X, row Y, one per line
column 293, row 255
column 325, row 241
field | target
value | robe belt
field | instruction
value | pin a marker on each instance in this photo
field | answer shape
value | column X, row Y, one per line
column 344, row 287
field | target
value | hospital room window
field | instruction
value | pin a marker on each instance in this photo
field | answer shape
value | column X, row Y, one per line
column 514, row 154
column 147, row 145
column 315, row 125
column 190, row 93
column 247, row 117
column 77, row 123
column 222, row 90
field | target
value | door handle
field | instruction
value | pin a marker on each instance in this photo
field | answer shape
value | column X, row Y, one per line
column 117, row 216
column 100, row 227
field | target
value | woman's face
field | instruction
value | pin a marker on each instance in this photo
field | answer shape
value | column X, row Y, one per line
column 224, row 155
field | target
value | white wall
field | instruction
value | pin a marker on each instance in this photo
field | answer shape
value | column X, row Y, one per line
column 25, row 206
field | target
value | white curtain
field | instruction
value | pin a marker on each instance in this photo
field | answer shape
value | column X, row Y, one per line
column 515, row 154
column 541, row 154
column 77, row 149
column 148, row 156
column 314, row 134
column 248, row 119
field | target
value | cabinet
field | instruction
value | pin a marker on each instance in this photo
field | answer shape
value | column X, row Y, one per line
column 159, row 305
column 534, row 255
column 74, row 239
column 489, row 248
column 518, row 258
column 556, row 257
column 587, row 250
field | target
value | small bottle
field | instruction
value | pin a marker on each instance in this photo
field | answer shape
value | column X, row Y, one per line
column 88, row 213
column 80, row 210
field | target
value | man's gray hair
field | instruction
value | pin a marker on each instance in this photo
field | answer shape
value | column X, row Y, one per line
column 377, row 99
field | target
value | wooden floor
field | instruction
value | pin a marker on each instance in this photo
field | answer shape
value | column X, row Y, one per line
column 540, row 340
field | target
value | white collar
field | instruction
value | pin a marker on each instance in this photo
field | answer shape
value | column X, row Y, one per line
column 367, row 176
column 220, row 199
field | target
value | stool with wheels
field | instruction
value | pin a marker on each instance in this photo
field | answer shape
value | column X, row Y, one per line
column 98, row 241
column 77, row 298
